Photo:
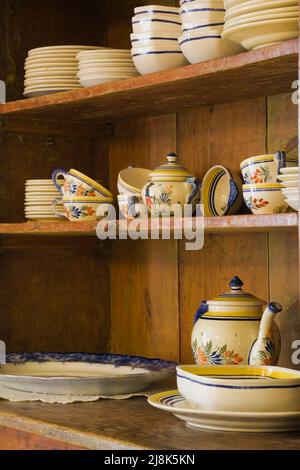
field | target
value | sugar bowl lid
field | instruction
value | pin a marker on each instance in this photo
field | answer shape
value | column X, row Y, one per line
column 236, row 297
column 171, row 171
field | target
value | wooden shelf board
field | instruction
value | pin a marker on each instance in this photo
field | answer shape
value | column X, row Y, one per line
column 237, row 223
column 124, row 425
column 264, row 72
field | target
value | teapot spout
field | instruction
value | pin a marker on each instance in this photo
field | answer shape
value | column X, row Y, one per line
column 263, row 351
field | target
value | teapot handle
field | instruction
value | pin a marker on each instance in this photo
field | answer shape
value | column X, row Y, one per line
column 195, row 190
column 201, row 311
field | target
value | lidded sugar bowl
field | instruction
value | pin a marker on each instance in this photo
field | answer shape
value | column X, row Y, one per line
column 232, row 329
column 170, row 187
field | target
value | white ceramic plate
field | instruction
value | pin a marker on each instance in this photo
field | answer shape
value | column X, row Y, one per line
column 173, row 402
column 81, row 374
column 257, row 19
column 293, row 203
column 287, row 177
column 38, row 50
column 290, row 184
column 293, row 170
column 50, row 82
column 47, row 91
column 230, row 15
column 242, row 7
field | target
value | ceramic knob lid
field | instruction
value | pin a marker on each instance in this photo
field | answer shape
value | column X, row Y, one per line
column 237, row 297
column 171, row 171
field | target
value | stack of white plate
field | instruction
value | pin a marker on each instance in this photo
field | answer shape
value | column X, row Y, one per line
column 105, row 65
column 52, row 69
column 155, row 47
column 289, row 179
column 260, row 23
column 39, row 196
column 202, row 27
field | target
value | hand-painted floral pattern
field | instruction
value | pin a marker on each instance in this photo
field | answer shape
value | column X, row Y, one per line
column 79, row 190
column 267, row 356
column 261, row 175
column 77, row 213
column 255, row 203
column 161, row 200
column 215, row 355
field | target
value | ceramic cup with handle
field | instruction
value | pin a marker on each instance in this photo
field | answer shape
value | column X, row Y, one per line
column 78, row 185
column 265, row 168
column 83, row 209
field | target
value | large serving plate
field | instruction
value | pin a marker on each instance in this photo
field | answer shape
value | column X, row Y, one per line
column 56, row 377
column 173, row 402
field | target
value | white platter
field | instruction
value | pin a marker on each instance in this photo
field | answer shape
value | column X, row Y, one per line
column 71, row 376
column 294, row 170
column 173, row 402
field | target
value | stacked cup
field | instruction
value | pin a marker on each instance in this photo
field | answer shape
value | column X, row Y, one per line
column 130, row 184
column 202, row 27
column 262, row 193
column 155, row 47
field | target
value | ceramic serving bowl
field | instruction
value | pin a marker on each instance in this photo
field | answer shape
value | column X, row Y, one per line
column 265, row 198
column 195, row 14
column 221, row 192
column 83, row 209
column 132, row 207
column 240, row 388
column 199, row 47
column 189, row 27
column 132, row 180
column 152, row 22
column 157, row 39
column 154, row 59
column 157, row 9
column 262, row 33
column 78, row 185
column 265, row 168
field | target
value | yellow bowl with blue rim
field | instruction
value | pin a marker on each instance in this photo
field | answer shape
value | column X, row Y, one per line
column 221, row 192
column 240, row 388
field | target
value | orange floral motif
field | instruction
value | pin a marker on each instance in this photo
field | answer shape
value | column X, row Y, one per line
column 207, row 354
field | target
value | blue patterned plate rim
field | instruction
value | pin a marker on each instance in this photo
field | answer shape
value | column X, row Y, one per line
column 154, row 365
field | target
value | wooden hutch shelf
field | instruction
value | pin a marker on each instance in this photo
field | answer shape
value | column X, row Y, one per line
column 237, row 223
column 264, row 72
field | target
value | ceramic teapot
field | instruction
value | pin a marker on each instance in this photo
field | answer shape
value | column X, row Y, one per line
column 170, row 184
column 233, row 330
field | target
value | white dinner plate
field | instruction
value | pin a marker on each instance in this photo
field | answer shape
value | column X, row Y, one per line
column 173, row 402
column 71, row 376
column 292, row 170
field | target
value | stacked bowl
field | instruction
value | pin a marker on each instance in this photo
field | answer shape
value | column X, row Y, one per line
column 202, row 27
column 105, row 65
column 39, row 195
column 262, row 192
column 52, row 69
column 289, row 179
column 257, row 23
column 155, row 47
column 130, row 184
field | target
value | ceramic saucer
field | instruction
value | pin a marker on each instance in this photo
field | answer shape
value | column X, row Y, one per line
column 174, row 403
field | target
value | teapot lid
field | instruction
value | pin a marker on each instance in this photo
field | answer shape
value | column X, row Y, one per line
column 237, row 297
column 171, row 171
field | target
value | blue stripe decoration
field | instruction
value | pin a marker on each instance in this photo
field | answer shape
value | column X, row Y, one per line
column 238, row 387
column 212, row 193
column 156, row 53
column 154, row 38
column 197, row 39
column 202, row 26
column 231, row 318
column 203, row 9
column 157, row 21
column 161, row 12
column 261, row 190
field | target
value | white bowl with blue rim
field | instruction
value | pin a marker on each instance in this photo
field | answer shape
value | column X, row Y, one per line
column 265, row 198
column 199, row 14
column 240, row 388
column 204, row 25
column 157, row 9
column 157, row 39
column 207, row 46
column 152, row 22
column 203, row 3
column 154, row 59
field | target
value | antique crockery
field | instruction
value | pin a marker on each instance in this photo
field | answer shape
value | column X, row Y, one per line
column 83, row 209
column 293, row 203
column 290, row 171
column 170, row 185
column 232, row 330
column 67, row 378
column 263, row 17
column 151, row 22
column 198, row 15
column 132, row 180
column 173, row 402
column 157, row 38
column 259, row 7
column 78, row 185
column 207, row 46
column 262, row 33
column 264, row 168
column 160, row 9
column 264, row 198
column 240, row 388
column 221, row 192
column 156, row 59
column 132, row 207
